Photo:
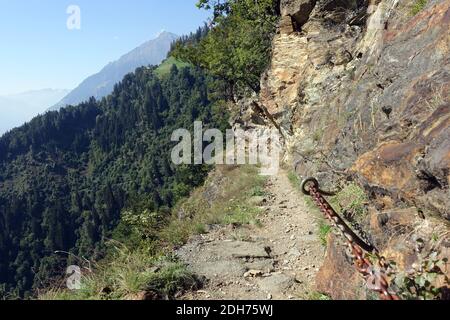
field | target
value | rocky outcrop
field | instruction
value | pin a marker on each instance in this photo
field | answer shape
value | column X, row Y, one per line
column 361, row 91
column 295, row 13
column 367, row 95
column 337, row 277
column 275, row 257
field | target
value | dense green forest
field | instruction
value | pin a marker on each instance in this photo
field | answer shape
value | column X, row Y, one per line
column 66, row 176
column 237, row 46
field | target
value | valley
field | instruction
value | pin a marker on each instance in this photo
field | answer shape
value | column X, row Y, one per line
column 358, row 93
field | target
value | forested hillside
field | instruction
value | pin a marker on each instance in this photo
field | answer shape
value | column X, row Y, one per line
column 102, row 83
column 66, row 176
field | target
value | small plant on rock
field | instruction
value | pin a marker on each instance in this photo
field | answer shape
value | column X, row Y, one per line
column 420, row 282
column 418, row 6
column 324, row 230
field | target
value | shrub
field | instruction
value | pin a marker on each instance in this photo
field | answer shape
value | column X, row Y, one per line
column 418, row 6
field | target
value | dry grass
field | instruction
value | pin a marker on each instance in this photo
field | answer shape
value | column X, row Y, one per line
column 437, row 99
column 418, row 6
column 234, row 186
column 127, row 273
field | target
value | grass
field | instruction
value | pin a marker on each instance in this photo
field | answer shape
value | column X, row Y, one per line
column 258, row 191
column 294, row 179
column 323, row 227
column 200, row 228
column 418, row 6
column 164, row 68
column 242, row 215
column 317, row 296
column 126, row 274
column 171, row 278
column 437, row 99
column 231, row 205
column 324, row 230
column 352, row 199
column 317, row 136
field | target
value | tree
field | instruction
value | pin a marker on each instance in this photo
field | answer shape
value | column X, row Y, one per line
column 237, row 48
column 66, row 177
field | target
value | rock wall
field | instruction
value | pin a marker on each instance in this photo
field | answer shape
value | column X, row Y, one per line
column 361, row 91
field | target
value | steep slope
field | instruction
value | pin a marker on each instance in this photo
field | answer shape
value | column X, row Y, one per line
column 66, row 176
column 361, row 92
column 370, row 95
column 102, row 83
column 20, row 108
column 276, row 258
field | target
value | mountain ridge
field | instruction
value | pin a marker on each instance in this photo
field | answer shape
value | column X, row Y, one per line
column 100, row 84
column 21, row 107
column 98, row 158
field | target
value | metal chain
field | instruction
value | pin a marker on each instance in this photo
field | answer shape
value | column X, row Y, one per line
column 375, row 275
column 357, row 227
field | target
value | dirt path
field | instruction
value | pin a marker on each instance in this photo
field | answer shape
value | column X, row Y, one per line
column 276, row 260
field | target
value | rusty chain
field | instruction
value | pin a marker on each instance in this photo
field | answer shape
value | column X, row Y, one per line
column 374, row 275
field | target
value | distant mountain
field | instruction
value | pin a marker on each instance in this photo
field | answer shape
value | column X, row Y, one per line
column 66, row 176
column 17, row 109
column 101, row 84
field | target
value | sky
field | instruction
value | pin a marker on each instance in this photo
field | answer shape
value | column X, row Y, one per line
column 39, row 51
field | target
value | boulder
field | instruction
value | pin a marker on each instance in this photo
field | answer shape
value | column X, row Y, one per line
column 276, row 283
column 338, row 277
column 362, row 93
column 299, row 12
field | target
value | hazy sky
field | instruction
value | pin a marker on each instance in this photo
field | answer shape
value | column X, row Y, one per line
column 38, row 50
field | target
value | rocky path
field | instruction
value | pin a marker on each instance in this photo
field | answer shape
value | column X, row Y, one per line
column 277, row 260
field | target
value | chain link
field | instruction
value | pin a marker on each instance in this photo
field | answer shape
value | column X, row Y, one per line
column 374, row 275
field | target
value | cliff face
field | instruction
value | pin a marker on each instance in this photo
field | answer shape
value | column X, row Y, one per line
column 361, row 92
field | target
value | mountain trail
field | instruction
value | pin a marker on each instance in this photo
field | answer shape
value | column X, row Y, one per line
column 277, row 259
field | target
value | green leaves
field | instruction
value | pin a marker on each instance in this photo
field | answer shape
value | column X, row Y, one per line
column 420, row 283
column 418, row 6
column 67, row 176
column 237, row 48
